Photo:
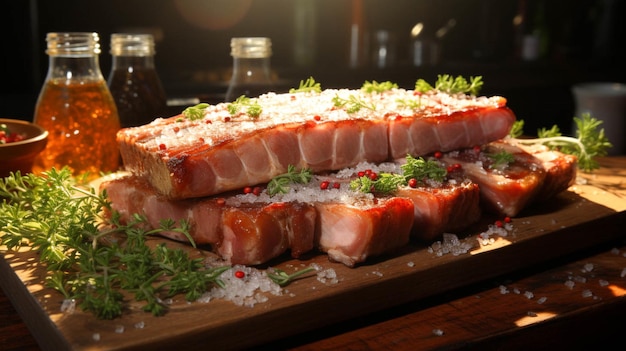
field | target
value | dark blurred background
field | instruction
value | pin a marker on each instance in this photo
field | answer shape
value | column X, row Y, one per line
column 579, row 41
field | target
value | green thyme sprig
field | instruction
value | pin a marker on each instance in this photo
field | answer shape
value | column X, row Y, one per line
column 352, row 104
column 375, row 87
column 280, row 184
column 413, row 104
column 281, row 278
column 196, row 112
column 501, row 160
column 421, row 169
column 244, row 104
column 588, row 143
column 310, row 85
column 451, row 85
column 417, row 169
column 94, row 259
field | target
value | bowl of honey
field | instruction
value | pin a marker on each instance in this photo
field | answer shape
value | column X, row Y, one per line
column 20, row 143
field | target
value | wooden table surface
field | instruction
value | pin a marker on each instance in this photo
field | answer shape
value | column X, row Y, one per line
column 499, row 314
column 577, row 300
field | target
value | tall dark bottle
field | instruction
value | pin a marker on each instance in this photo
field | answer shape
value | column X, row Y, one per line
column 251, row 68
column 76, row 107
column 134, row 81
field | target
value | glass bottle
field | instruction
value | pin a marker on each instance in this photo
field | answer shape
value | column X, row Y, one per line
column 251, row 67
column 76, row 107
column 134, row 81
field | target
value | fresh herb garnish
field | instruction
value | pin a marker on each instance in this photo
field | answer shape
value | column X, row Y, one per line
column 195, row 112
column 375, row 87
column 251, row 106
column 94, row 259
column 517, row 130
column 281, row 278
column 280, row 183
column 410, row 103
column 501, row 159
column 418, row 169
column 352, row 103
column 452, row 85
column 307, row 86
column 589, row 142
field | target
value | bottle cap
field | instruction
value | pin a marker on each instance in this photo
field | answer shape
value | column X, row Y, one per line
column 123, row 44
column 73, row 44
column 251, row 47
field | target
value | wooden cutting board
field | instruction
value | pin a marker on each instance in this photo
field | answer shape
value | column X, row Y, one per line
column 582, row 217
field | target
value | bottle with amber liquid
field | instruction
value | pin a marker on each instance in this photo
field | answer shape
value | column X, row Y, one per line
column 75, row 106
column 134, row 81
column 251, row 68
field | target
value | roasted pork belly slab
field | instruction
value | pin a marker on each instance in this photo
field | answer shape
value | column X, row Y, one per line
column 508, row 189
column 350, row 233
column 249, row 233
column 225, row 150
column 447, row 208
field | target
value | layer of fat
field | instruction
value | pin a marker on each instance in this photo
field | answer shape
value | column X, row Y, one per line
column 219, row 124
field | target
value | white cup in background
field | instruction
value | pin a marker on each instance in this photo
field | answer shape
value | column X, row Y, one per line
column 605, row 101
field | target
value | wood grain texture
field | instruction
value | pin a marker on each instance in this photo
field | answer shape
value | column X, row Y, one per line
column 585, row 217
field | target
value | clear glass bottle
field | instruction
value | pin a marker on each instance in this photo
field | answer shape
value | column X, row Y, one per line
column 76, row 107
column 134, row 81
column 251, row 67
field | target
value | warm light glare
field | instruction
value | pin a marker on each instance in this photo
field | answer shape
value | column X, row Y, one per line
column 617, row 290
column 417, row 29
column 492, row 245
column 535, row 318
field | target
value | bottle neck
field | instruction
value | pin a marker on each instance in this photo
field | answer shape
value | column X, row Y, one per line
column 122, row 62
column 74, row 67
column 251, row 69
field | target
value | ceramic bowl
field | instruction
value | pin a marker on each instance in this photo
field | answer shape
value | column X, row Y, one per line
column 20, row 155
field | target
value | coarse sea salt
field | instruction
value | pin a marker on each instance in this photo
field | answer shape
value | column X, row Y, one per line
column 244, row 286
column 570, row 284
column 541, row 300
column 588, row 267
column 449, row 245
column 438, row 332
column 68, row 306
column 623, row 273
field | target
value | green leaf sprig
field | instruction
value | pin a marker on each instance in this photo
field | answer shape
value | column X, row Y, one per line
column 310, row 85
column 245, row 104
column 501, row 160
column 589, row 141
column 375, row 87
column 280, row 184
column 413, row 104
column 196, row 112
column 452, row 85
column 96, row 260
column 418, row 169
column 352, row 104
column 281, row 278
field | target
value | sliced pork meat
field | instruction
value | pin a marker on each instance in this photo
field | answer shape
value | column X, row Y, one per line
column 507, row 186
column 249, row 233
column 447, row 208
column 561, row 169
column 450, row 205
column 456, row 130
column 350, row 233
column 228, row 147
